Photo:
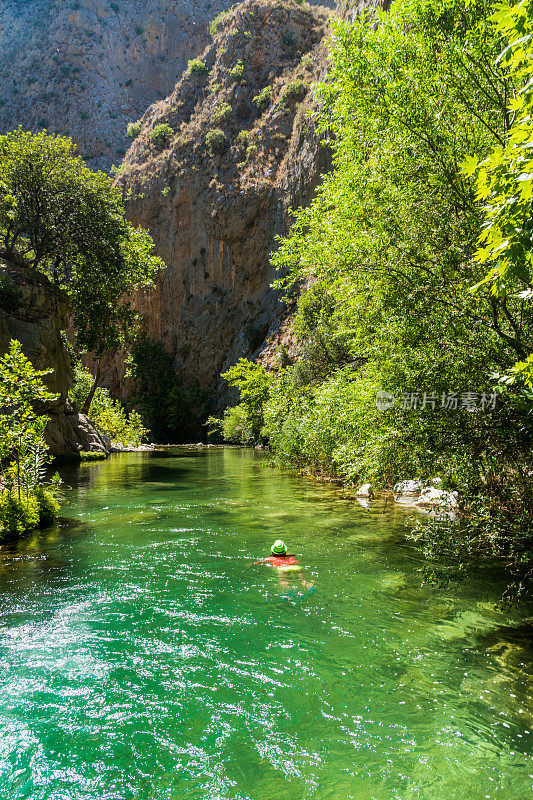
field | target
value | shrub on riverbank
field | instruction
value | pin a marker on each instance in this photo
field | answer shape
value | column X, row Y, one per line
column 26, row 500
column 19, row 515
column 108, row 415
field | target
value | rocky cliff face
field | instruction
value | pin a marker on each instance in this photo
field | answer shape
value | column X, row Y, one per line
column 241, row 150
column 88, row 67
column 34, row 312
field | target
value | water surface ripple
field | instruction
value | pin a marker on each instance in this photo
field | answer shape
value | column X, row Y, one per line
column 142, row 656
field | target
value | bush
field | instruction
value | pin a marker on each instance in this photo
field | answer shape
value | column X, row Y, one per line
column 243, row 137
column 161, row 134
column 91, row 455
column 222, row 113
column 48, row 504
column 133, row 129
column 294, row 92
column 251, row 150
column 218, row 22
column 17, row 515
column 108, row 415
column 196, row 67
column 216, row 140
column 264, row 98
column 238, row 71
column 235, row 426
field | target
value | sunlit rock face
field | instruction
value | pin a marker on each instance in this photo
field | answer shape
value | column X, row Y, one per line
column 214, row 212
column 89, row 67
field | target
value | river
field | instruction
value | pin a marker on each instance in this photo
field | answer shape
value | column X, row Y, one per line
column 143, row 655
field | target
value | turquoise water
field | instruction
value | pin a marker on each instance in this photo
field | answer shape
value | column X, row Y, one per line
column 143, row 656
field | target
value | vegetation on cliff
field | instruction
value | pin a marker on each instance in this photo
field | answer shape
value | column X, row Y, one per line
column 27, row 500
column 60, row 218
column 403, row 368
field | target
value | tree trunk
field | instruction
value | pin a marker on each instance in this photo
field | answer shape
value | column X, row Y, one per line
column 88, row 400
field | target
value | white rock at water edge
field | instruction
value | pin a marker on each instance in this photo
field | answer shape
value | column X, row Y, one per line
column 408, row 488
column 438, row 497
column 365, row 490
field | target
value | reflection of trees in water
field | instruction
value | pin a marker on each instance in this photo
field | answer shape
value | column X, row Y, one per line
column 128, row 471
column 38, row 557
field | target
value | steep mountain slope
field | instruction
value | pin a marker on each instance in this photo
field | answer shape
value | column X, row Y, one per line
column 217, row 190
column 88, row 67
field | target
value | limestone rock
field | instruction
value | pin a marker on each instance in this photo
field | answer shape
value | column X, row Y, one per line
column 408, row 488
column 365, row 491
column 37, row 321
column 215, row 215
column 432, row 497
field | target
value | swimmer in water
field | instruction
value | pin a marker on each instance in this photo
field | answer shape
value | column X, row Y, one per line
column 285, row 563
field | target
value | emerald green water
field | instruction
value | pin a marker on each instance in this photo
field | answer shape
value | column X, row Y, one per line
column 142, row 656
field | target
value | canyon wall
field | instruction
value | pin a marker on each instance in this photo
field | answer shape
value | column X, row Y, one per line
column 215, row 208
column 34, row 312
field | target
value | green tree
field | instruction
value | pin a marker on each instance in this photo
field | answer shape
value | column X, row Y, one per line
column 171, row 412
column 26, row 499
column 245, row 422
column 58, row 217
column 505, row 177
column 108, row 415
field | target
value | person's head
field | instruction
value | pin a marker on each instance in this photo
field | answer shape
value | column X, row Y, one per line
column 279, row 548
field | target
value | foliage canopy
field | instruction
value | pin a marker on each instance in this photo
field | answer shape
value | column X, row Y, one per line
column 59, row 217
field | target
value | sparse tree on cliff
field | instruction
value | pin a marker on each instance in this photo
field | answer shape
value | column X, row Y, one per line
column 60, row 218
